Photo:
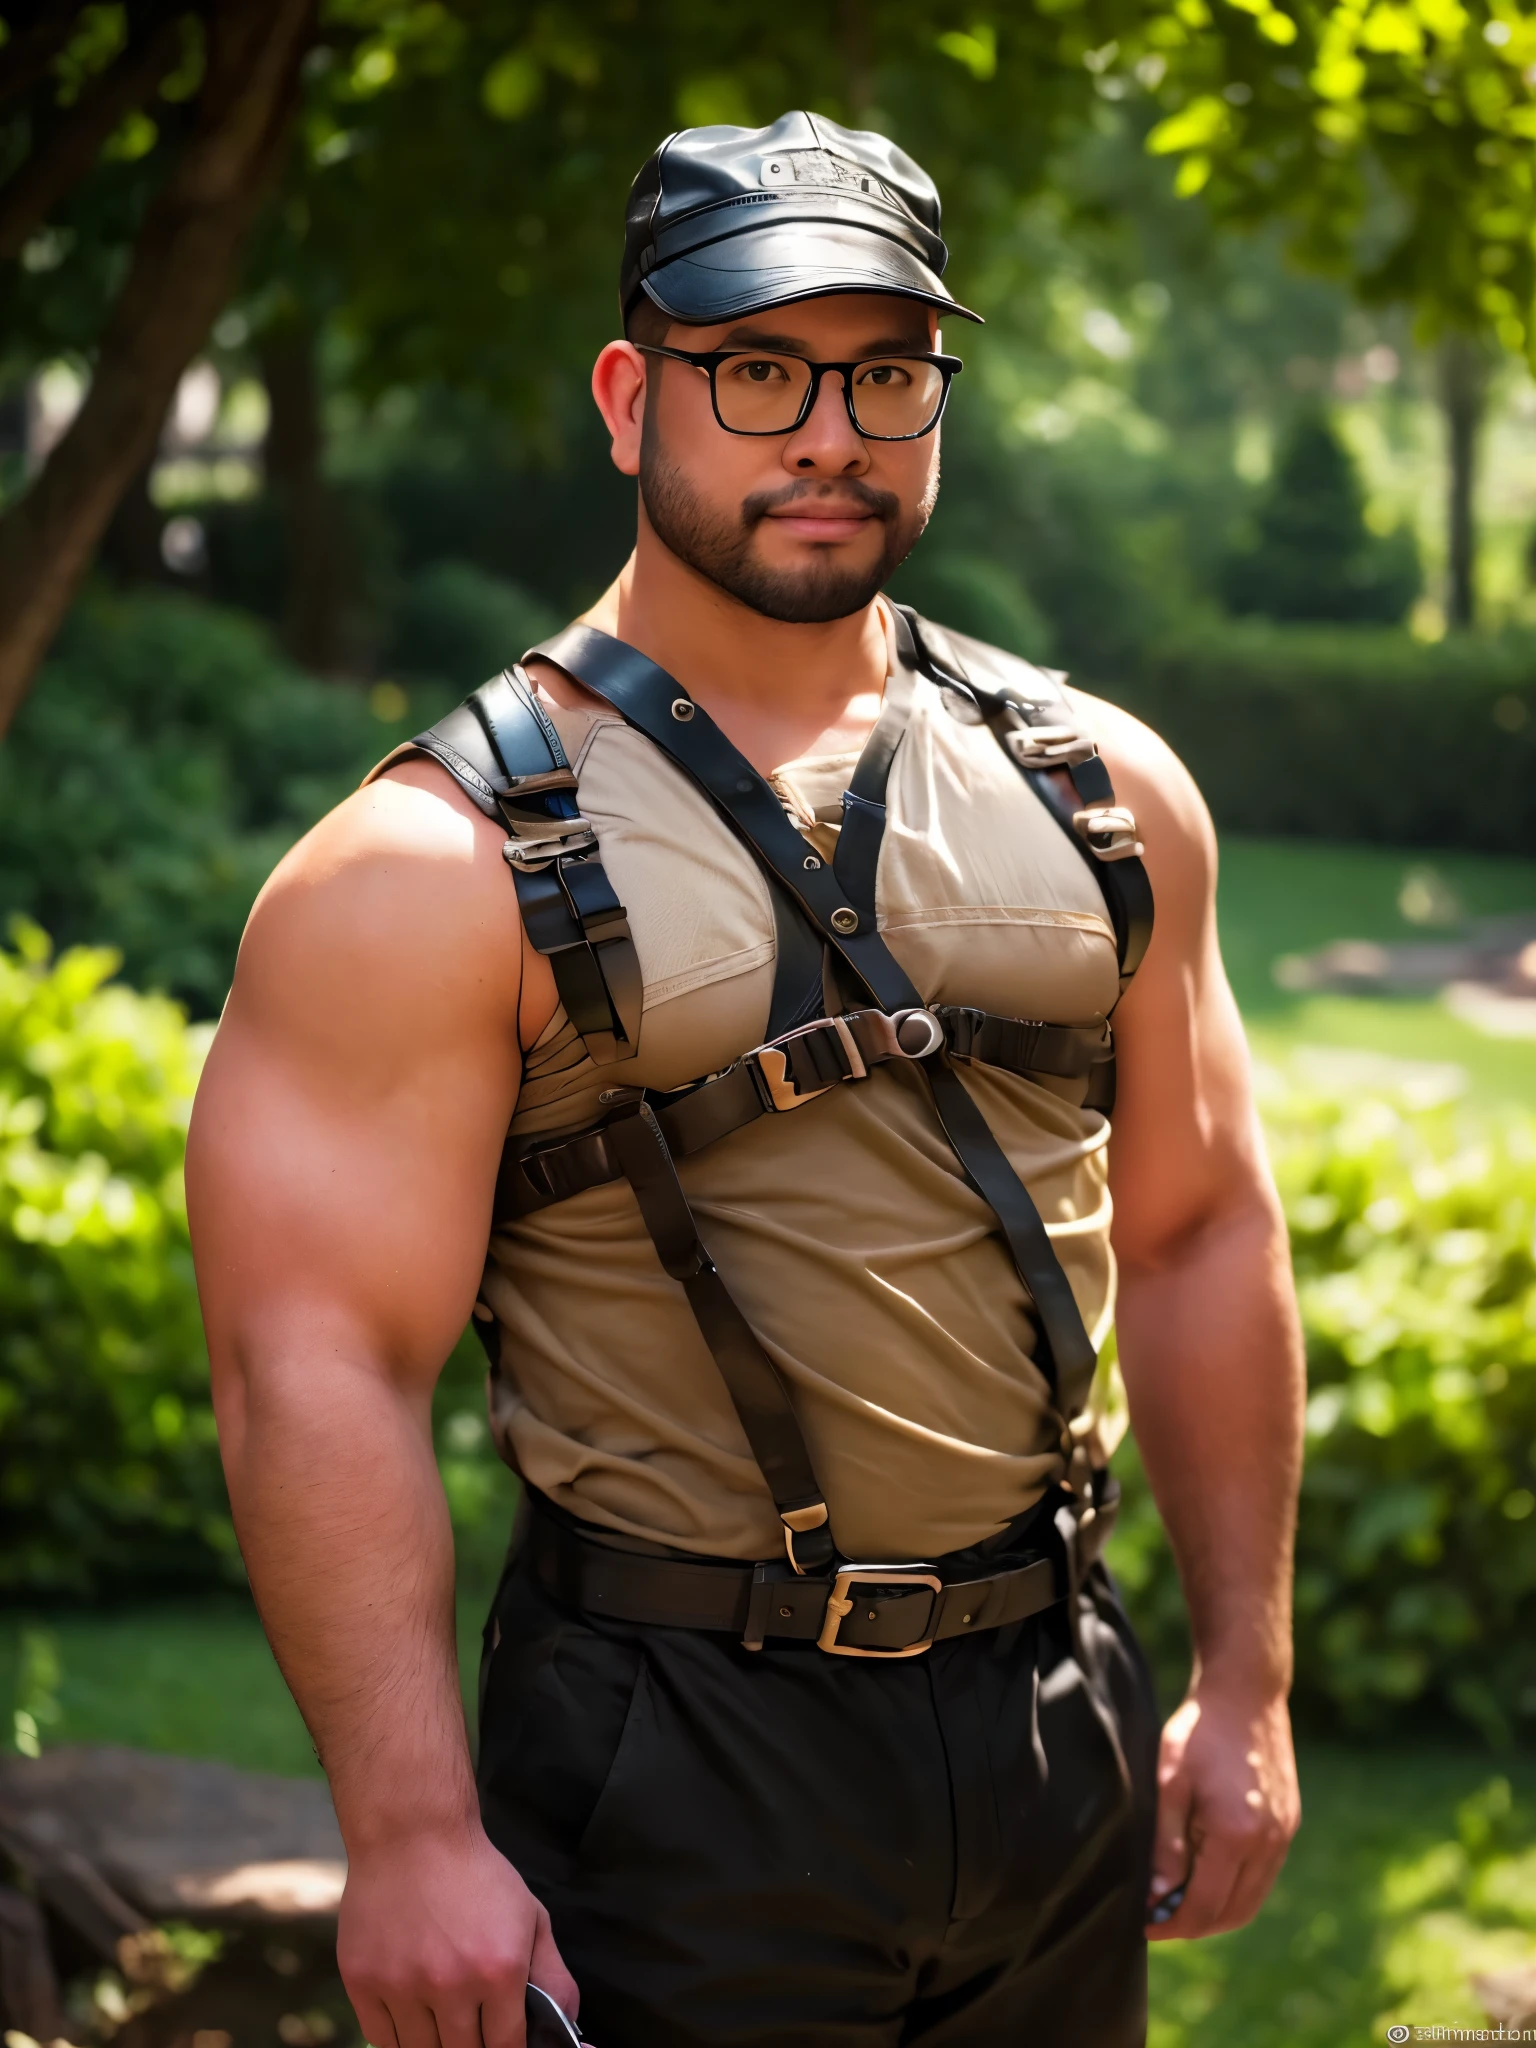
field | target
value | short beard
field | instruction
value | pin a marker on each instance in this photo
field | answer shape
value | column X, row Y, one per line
column 721, row 549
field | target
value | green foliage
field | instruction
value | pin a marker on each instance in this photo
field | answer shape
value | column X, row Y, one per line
column 1412, row 1223
column 165, row 761
column 1347, row 732
column 1311, row 555
column 108, row 1471
column 457, row 621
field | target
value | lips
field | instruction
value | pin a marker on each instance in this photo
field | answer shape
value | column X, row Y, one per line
column 823, row 523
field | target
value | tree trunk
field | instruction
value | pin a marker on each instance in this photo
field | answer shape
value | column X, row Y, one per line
column 295, row 450
column 183, row 268
column 1463, row 395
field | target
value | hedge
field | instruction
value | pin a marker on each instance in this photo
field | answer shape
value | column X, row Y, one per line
column 1412, row 1236
column 1349, row 733
column 110, row 1481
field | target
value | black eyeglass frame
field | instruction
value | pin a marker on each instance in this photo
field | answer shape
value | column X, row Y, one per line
column 711, row 359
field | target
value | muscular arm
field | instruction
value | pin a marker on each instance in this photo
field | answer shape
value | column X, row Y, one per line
column 1210, row 1348
column 339, row 1172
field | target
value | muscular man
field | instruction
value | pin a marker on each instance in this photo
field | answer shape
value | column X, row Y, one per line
column 739, row 967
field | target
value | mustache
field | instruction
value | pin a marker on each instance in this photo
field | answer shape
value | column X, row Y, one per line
column 882, row 505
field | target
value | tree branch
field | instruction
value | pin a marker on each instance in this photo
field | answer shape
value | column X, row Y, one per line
column 183, row 269
column 67, row 150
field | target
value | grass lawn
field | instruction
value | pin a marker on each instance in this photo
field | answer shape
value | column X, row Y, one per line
column 1289, row 896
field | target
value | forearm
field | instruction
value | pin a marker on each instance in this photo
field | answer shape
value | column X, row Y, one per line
column 1210, row 1349
column 345, row 1532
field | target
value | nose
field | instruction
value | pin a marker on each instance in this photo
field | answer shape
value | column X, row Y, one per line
column 828, row 443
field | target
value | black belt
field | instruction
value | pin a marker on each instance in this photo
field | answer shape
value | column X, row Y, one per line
column 859, row 1610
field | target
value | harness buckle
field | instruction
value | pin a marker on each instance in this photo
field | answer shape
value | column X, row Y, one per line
column 771, row 1063
column 529, row 854
column 840, row 1606
column 1049, row 746
column 1109, row 831
column 900, row 1034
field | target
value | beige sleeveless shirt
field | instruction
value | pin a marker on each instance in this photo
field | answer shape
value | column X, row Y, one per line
column 845, row 1230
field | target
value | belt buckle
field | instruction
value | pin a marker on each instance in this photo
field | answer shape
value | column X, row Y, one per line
column 839, row 1606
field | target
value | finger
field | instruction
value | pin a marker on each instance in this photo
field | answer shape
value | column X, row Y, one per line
column 1255, row 1880
column 413, row 2022
column 458, row 2021
column 1213, row 1873
column 1170, row 1849
column 548, row 1971
column 378, row 2029
column 501, row 2016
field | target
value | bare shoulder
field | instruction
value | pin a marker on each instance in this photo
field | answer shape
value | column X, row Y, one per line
column 1152, row 781
column 395, row 911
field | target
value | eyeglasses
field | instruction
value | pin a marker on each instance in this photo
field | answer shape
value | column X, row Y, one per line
column 756, row 391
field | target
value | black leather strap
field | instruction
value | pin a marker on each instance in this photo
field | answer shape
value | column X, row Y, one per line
column 1123, row 883
column 503, row 751
column 757, row 1393
column 553, row 1166
column 767, row 1602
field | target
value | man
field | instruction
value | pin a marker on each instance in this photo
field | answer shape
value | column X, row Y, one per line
column 808, row 1714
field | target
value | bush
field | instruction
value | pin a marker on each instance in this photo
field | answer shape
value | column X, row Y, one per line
column 165, row 761
column 463, row 625
column 1412, row 1230
column 109, row 1470
column 1348, row 733
column 109, row 1474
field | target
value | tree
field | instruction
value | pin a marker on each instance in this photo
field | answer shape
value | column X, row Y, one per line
column 1310, row 554
column 183, row 260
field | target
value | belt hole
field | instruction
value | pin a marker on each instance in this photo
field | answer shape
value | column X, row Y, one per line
column 965, row 1618
column 784, row 1613
column 811, row 862
column 844, row 920
column 682, row 710
column 872, row 1615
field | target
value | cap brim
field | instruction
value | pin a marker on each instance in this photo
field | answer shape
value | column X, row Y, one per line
column 777, row 264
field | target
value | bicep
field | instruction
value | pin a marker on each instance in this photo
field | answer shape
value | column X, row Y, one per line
column 345, row 1140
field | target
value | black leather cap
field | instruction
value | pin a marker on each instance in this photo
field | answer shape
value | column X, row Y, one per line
column 724, row 221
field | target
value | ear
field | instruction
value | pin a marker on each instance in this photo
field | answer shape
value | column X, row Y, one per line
column 618, row 387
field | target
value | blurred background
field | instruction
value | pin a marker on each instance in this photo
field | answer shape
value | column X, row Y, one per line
column 296, row 311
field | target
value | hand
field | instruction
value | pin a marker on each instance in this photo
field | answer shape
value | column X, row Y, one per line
column 437, row 1939
column 1228, row 1805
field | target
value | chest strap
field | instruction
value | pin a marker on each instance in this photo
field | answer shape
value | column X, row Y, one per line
column 787, row 1072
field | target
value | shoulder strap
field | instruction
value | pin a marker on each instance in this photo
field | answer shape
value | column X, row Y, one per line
column 1027, row 713
column 505, row 754
column 657, row 705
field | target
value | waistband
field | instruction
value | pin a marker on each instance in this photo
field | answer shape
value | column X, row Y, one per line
column 851, row 1610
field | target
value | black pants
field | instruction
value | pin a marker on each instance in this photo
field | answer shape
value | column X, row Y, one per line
column 748, row 1849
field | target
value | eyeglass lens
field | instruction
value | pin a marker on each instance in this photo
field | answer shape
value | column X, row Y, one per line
column 765, row 394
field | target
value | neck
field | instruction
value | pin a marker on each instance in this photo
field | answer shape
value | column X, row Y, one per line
column 773, row 688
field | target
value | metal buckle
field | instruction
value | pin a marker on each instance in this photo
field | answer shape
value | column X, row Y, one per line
column 1050, row 746
column 1115, row 825
column 839, row 1606
column 889, row 1026
column 885, row 1027
column 772, row 1064
column 537, row 853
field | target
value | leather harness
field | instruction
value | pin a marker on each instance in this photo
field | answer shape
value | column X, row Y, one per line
column 503, row 751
